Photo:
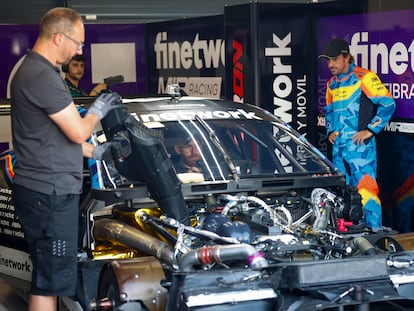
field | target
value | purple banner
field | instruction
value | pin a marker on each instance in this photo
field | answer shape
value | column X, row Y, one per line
column 15, row 40
column 110, row 50
column 382, row 42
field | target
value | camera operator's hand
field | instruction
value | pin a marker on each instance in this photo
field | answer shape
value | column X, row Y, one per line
column 98, row 89
column 103, row 151
column 105, row 103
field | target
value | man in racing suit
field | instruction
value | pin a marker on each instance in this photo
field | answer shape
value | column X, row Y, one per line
column 358, row 106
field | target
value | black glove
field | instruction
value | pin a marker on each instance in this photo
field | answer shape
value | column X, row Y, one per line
column 105, row 103
column 104, row 151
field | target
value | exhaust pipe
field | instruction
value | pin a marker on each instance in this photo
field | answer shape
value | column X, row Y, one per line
column 119, row 232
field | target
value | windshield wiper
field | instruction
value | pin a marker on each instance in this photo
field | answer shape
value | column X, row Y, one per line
column 216, row 141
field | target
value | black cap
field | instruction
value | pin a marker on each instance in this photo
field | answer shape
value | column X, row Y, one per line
column 183, row 138
column 334, row 48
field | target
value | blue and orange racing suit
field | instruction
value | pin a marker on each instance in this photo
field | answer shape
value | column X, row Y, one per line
column 356, row 101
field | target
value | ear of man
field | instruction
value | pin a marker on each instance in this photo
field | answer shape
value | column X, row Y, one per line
column 65, row 68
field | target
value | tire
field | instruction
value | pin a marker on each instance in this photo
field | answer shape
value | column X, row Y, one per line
column 108, row 286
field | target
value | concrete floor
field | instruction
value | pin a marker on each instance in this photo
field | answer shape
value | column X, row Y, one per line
column 9, row 299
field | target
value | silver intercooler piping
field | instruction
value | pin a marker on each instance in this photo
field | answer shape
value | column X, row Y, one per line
column 222, row 253
column 119, row 232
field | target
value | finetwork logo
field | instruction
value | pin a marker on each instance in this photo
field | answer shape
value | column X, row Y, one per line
column 198, row 54
column 387, row 58
column 381, row 57
column 290, row 90
column 206, row 115
column 186, row 55
column 282, row 81
column 15, row 263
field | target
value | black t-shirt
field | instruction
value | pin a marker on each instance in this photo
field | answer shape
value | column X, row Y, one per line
column 46, row 160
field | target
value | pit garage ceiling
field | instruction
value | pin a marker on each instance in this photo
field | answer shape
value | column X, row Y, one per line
column 118, row 11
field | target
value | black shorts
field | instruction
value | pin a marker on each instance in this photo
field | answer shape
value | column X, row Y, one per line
column 50, row 225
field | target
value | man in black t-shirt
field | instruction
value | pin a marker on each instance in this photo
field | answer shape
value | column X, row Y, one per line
column 49, row 141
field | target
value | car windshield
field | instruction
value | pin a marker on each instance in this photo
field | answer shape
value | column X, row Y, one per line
column 231, row 149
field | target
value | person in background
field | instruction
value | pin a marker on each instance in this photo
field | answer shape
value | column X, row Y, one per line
column 74, row 72
column 189, row 153
column 49, row 135
column 358, row 106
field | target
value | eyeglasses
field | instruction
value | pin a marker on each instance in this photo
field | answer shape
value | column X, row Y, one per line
column 79, row 44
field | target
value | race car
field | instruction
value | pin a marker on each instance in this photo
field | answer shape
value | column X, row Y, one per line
column 207, row 204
